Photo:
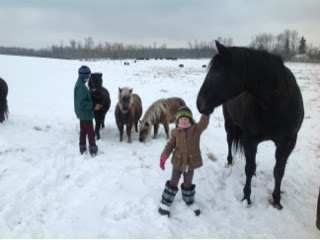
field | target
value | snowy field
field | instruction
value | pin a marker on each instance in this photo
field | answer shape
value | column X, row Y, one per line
column 49, row 190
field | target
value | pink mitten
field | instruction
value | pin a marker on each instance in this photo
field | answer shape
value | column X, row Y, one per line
column 163, row 160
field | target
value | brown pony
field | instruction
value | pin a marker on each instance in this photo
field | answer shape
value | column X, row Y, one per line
column 128, row 112
column 161, row 111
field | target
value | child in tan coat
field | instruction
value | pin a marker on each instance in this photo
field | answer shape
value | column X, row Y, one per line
column 185, row 145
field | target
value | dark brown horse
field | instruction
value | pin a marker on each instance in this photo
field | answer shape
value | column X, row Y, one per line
column 261, row 101
column 128, row 112
column 99, row 95
column 4, row 111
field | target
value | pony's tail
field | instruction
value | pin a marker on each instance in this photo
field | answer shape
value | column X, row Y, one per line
column 237, row 141
column 4, row 111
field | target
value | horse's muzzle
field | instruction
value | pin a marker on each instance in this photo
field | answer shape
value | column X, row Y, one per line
column 203, row 106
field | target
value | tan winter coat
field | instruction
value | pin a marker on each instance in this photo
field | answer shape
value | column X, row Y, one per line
column 185, row 145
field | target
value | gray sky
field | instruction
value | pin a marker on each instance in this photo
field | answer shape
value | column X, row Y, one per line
column 42, row 23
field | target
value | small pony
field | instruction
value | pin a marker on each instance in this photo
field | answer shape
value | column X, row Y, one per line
column 99, row 95
column 161, row 111
column 128, row 111
column 4, row 111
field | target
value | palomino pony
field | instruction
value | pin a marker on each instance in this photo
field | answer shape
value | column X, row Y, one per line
column 4, row 112
column 261, row 101
column 128, row 112
column 99, row 95
column 161, row 111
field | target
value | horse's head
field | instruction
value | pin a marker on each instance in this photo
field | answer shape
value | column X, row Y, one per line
column 145, row 129
column 95, row 81
column 220, row 83
column 125, row 99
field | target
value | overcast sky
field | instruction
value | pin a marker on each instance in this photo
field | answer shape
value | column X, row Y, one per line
column 42, row 23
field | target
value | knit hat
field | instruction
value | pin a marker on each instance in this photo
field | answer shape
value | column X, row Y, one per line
column 184, row 112
column 84, row 72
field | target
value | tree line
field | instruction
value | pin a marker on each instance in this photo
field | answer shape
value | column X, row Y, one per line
column 288, row 44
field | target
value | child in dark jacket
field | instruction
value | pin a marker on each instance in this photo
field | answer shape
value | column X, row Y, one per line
column 185, row 145
column 84, row 109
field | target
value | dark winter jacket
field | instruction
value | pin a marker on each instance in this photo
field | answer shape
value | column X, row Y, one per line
column 185, row 145
column 83, row 105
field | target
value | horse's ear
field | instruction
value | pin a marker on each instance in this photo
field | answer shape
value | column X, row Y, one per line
column 220, row 48
column 120, row 89
column 130, row 90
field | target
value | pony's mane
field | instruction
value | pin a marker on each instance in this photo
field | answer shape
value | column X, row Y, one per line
column 125, row 92
column 264, row 70
column 97, row 78
column 154, row 112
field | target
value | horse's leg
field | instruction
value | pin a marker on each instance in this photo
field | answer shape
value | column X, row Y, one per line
column 166, row 128
column 120, row 127
column 129, row 128
column 155, row 130
column 98, row 124
column 229, row 128
column 103, row 118
column 136, row 126
column 284, row 147
column 250, row 144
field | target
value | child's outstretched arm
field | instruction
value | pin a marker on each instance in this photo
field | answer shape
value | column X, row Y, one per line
column 204, row 122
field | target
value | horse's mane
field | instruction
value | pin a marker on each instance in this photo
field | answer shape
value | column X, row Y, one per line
column 97, row 78
column 125, row 92
column 261, row 69
column 154, row 112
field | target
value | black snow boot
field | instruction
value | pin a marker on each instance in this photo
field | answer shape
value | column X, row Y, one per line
column 168, row 196
column 93, row 150
column 82, row 148
column 188, row 197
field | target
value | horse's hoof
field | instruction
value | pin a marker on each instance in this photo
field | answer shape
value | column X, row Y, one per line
column 248, row 200
column 278, row 206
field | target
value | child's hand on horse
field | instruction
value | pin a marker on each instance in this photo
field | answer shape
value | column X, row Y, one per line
column 98, row 107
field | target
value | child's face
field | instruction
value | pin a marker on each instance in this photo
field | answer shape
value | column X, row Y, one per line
column 184, row 120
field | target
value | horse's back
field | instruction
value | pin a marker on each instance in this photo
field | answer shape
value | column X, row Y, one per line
column 172, row 105
column 137, row 105
column 106, row 98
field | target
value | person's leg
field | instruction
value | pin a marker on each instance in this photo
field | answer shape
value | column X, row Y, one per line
column 187, row 178
column 83, row 134
column 82, row 138
column 91, row 133
column 93, row 148
column 169, row 193
column 175, row 177
column 188, row 191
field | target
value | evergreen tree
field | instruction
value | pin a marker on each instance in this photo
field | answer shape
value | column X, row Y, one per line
column 302, row 46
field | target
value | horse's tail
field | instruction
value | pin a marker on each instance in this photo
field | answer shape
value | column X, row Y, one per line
column 4, row 111
column 237, row 141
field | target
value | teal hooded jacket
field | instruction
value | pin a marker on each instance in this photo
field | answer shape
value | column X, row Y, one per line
column 83, row 105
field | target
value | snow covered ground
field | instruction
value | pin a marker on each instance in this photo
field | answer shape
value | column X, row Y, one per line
column 49, row 190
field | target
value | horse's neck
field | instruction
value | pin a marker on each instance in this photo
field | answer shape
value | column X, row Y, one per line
column 269, row 96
